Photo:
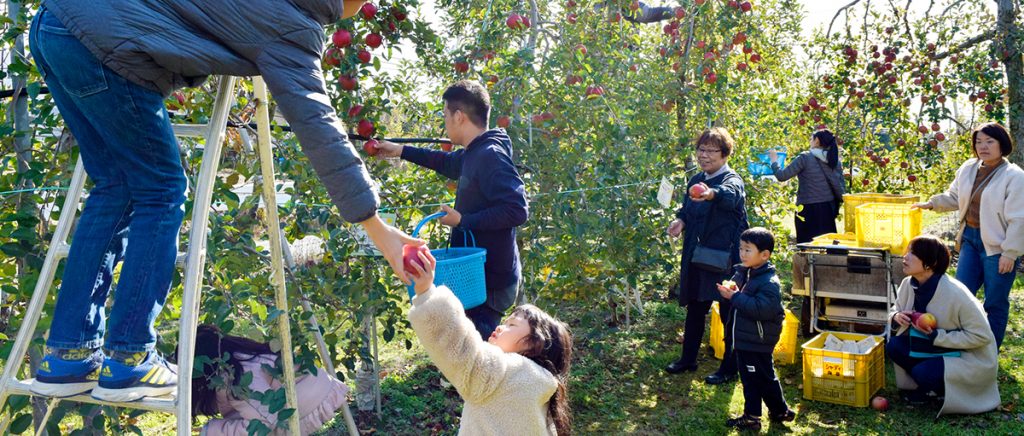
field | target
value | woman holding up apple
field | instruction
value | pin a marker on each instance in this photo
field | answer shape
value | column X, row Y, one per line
column 715, row 215
column 988, row 192
column 820, row 185
column 943, row 346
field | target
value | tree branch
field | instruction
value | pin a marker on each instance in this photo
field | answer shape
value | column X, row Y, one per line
column 967, row 44
column 834, row 17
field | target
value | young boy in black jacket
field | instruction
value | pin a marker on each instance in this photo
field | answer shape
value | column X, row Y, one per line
column 490, row 199
column 756, row 325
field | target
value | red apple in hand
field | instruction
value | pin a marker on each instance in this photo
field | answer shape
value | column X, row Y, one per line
column 880, row 403
column 925, row 321
column 698, row 190
column 729, row 284
column 410, row 255
column 370, row 147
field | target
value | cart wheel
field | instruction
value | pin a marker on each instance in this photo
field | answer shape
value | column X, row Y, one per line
column 805, row 318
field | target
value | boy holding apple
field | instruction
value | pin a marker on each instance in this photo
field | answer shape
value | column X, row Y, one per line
column 756, row 324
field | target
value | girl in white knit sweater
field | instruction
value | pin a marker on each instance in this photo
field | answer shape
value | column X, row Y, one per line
column 515, row 383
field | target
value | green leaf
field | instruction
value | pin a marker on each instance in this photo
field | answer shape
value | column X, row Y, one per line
column 21, row 423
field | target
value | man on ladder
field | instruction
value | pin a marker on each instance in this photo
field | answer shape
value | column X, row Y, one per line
column 108, row 72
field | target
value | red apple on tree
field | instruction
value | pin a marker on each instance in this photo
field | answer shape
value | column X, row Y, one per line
column 746, row 6
column 331, row 57
column 504, row 121
column 369, row 10
column 940, row 137
column 571, row 18
column 514, row 21
column 461, row 67
column 364, row 56
column 680, row 13
column 342, row 38
column 374, row 40
column 355, row 110
column 365, row 128
column 446, row 146
column 348, row 83
column 911, row 178
column 581, row 49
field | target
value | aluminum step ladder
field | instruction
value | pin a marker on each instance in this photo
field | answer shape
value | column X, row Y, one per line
column 194, row 262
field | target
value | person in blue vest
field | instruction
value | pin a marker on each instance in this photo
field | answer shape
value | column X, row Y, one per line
column 490, row 200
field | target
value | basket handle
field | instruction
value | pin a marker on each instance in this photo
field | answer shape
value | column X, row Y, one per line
column 425, row 220
column 437, row 215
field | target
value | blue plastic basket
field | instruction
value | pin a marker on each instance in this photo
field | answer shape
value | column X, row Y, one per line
column 461, row 269
column 763, row 166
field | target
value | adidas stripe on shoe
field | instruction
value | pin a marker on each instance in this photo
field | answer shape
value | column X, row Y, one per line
column 152, row 377
column 60, row 378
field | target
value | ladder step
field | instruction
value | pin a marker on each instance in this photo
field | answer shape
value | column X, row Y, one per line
column 61, row 252
column 166, row 404
column 190, row 130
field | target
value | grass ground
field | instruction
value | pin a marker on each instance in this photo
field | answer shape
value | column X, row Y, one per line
column 618, row 387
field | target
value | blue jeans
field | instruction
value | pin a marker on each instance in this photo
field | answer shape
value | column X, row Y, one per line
column 135, row 207
column 975, row 269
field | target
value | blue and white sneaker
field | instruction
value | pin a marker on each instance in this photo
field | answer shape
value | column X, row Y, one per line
column 151, row 377
column 61, row 378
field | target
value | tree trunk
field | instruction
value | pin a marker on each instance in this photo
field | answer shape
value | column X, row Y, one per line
column 1007, row 38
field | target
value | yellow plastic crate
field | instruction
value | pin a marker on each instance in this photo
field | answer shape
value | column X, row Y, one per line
column 886, row 223
column 717, row 338
column 843, row 378
column 851, row 201
column 844, row 239
column 785, row 350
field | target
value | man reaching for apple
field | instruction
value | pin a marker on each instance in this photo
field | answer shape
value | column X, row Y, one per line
column 490, row 200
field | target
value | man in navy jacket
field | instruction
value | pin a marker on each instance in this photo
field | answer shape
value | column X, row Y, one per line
column 490, row 200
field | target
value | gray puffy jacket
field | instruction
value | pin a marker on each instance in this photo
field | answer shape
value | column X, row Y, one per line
column 168, row 44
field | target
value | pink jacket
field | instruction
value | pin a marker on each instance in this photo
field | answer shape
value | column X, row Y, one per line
column 319, row 397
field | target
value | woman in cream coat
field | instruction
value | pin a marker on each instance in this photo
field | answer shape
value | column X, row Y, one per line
column 967, row 376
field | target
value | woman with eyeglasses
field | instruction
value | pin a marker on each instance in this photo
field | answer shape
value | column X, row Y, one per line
column 713, row 214
column 819, row 190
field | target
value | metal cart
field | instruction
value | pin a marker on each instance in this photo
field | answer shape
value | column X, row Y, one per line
column 855, row 280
